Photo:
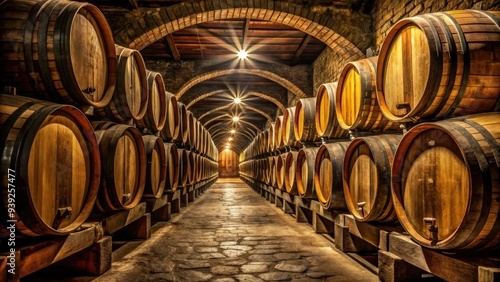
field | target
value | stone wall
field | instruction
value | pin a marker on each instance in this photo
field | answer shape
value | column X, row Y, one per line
column 327, row 68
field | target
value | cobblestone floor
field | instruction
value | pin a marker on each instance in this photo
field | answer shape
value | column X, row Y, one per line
column 230, row 233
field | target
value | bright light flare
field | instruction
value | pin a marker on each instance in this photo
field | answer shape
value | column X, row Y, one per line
column 237, row 100
column 242, row 54
column 236, row 118
column 233, row 131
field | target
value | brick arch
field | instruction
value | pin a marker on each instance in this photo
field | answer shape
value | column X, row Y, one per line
column 230, row 105
column 262, row 73
column 251, row 93
column 149, row 25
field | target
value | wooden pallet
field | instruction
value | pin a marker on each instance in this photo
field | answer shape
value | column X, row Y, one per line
column 399, row 258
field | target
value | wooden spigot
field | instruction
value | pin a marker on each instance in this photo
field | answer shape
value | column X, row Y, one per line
column 433, row 229
column 361, row 206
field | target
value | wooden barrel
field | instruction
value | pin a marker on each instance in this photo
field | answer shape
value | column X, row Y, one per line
column 278, row 132
column 445, row 64
column 305, row 172
column 130, row 99
column 446, row 175
column 290, row 168
column 123, row 166
column 173, row 166
column 182, row 135
column 184, row 167
column 156, row 165
column 191, row 140
column 271, row 145
column 156, row 113
column 191, row 172
column 288, row 128
column 328, row 175
column 367, row 177
column 61, row 51
column 51, row 152
column 172, row 123
column 280, row 171
column 304, row 126
column 356, row 106
column 325, row 120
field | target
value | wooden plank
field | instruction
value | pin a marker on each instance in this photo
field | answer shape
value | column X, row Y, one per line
column 154, row 204
column 365, row 231
column 169, row 39
column 95, row 259
column 393, row 268
column 139, row 229
column 162, row 214
column 333, row 216
column 452, row 268
column 245, row 34
column 322, row 225
column 38, row 256
column 121, row 219
column 301, row 49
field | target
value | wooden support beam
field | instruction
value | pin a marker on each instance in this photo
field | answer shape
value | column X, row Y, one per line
column 134, row 4
column 245, row 34
column 301, row 48
column 169, row 39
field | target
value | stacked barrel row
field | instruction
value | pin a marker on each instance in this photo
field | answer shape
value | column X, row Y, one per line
column 437, row 75
column 90, row 129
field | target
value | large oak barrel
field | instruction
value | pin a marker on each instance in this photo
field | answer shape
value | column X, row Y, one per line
column 367, row 177
column 156, row 165
column 173, row 166
column 123, row 166
column 446, row 175
column 172, row 124
column 288, row 133
column 191, row 141
column 51, row 152
column 184, row 167
column 156, row 113
column 280, row 171
column 440, row 65
column 305, row 172
column 130, row 99
column 304, row 126
column 61, row 51
column 328, row 175
column 325, row 118
column 182, row 135
column 290, row 168
column 356, row 106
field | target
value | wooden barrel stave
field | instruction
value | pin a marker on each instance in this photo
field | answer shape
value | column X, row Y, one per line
column 328, row 175
column 290, row 175
column 366, row 175
column 156, row 113
column 304, row 126
column 70, row 174
column 453, row 161
column 173, row 166
column 172, row 123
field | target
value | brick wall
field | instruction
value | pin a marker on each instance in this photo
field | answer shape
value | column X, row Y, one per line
column 327, row 68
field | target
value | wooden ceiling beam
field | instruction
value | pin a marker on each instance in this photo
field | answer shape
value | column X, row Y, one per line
column 246, row 28
column 169, row 39
column 134, row 4
column 301, row 49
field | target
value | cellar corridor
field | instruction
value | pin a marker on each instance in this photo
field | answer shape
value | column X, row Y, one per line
column 230, row 233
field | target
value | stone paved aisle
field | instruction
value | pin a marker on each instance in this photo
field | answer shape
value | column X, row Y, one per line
column 230, row 233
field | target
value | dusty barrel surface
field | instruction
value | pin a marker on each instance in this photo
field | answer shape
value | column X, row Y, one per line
column 62, row 51
column 172, row 125
column 156, row 113
column 367, row 177
column 155, row 166
column 123, row 166
column 445, row 64
column 446, row 176
column 173, row 166
column 55, row 186
column 325, row 117
column 305, row 172
column 130, row 98
column 356, row 106
column 328, row 175
column 304, row 126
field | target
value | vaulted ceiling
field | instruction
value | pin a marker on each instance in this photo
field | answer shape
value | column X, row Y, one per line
column 196, row 51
